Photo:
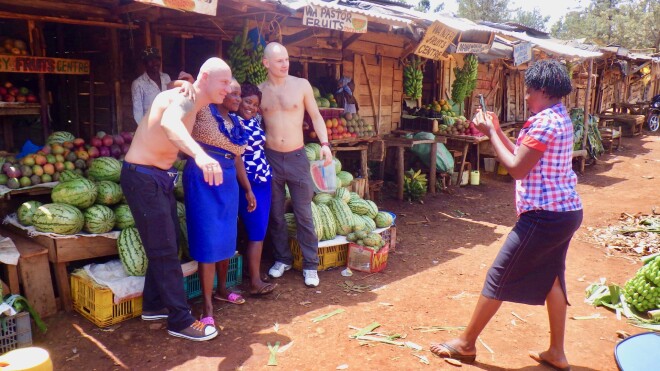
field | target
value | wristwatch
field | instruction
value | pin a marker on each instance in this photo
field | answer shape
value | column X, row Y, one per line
column 326, row 144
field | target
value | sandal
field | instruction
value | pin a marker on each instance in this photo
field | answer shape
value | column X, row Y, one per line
column 537, row 357
column 264, row 290
column 208, row 321
column 451, row 352
column 233, row 298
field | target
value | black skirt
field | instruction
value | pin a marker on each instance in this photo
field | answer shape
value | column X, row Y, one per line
column 533, row 255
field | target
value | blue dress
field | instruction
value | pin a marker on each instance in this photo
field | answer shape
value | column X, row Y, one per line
column 258, row 172
column 211, row 211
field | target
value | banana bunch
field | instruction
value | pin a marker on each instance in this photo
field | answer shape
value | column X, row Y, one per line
column 414, row 185
column 256, row 71
column 239, row 60
column 466, row 79
column 412, row 77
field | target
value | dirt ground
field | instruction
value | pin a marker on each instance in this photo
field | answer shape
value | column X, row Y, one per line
column 433, row 279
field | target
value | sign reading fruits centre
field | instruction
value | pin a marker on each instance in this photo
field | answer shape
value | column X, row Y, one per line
column 27, row 64
column 436, row 40
column 334, row 19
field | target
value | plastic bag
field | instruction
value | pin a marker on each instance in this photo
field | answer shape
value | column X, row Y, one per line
column 444, row 161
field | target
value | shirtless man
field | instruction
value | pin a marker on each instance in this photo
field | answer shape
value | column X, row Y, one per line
column 147, row 179
column 285, row 99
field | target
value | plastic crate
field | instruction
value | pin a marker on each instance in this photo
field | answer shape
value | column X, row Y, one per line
column 364, row 259
column 96, row 302
column 193, row 286
column 15, row 331
column 329, row 256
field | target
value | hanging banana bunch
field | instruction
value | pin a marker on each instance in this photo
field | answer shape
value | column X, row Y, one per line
column 256, row 71
column 466, row 79
column 413, row 77
column 239, row 60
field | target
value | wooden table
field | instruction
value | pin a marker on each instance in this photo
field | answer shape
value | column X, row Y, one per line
column 631, row 124
column 61, row 251
column 401, row 144
column 638, row 108
column 466, row 141
column 14, row 109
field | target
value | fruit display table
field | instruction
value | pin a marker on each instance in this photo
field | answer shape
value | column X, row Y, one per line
column 62, row 251
column 631, row 125
column 14, row 109
column 464, row 142
column 401, row 144
column 356, row 145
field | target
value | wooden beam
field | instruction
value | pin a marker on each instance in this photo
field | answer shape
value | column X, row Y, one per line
column 234, row 5
column 586, row 105
column 132, row 8
column 298, row 37
column 371, row 93
column 58, row 7
column 350, row 40
column 79, row 22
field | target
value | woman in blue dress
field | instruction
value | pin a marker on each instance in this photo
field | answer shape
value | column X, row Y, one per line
column 211, row 211
column 258, row 173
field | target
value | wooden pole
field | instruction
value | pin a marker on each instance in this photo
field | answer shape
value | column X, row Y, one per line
column 380, row 95
column 116, row 109
column 371, row 93
column 38, row 47
column 147, row 33
column 587, row 110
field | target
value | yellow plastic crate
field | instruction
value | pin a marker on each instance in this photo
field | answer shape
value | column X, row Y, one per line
column 329, row 257
column 96, row 302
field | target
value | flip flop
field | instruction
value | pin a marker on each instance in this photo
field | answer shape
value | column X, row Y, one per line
column 451, row 352
column 208, row 321
column 233, row 298
column 537, row 357
column 264, row 290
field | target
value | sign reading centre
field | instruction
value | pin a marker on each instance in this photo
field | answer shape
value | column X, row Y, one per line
column 334, row 19
column 436, row 40
column 27, row 64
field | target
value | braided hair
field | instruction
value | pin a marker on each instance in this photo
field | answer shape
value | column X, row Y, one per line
column 550, row 76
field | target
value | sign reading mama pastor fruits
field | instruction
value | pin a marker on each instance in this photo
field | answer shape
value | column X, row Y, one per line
column 467, row 48
column 334, row 19
column 208, row 7
column 28, row 64
column 437, row 38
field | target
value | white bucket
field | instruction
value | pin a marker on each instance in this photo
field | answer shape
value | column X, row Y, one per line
column 489, row 164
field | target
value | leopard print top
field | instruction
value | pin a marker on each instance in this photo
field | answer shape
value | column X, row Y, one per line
column 206, row 131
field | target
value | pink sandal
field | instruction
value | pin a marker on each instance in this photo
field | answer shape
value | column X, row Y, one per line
column 233, row 298
column 208, row 321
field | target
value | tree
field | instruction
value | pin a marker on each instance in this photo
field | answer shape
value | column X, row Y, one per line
column 533, row 19
column 439, row 8
column 631, row 24
column 424, row 6
column 484, row 10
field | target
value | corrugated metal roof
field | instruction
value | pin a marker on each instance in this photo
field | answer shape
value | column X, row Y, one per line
column 371, row 10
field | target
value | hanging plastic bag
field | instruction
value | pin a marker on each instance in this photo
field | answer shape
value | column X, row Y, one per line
column 444, row 161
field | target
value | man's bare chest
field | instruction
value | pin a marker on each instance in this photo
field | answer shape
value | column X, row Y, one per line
column 288, row 101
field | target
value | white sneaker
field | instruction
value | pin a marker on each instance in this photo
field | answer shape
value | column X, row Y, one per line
column 278, row 269
column 311, row 277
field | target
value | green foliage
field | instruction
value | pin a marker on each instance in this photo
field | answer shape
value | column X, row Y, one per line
column 484, row 10
column 533, row 19
column 632, row 24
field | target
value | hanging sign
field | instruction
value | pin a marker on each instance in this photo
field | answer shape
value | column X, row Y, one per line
column 522, row 53
column 334, row 19
column 28, row 64
column 207, row 7
column 435, row 41
column 472, row 48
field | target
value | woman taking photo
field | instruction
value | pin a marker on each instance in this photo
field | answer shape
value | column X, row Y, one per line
column 529, row 268
column 211, row 211
column 258, row 174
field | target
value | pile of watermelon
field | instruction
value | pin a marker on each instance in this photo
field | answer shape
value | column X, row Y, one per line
column 344, row 213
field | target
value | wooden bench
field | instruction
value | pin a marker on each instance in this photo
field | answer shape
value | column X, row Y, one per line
column 581, row 156
column 610, row 135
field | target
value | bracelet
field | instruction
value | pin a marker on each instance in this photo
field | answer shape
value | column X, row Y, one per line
column 325, row 144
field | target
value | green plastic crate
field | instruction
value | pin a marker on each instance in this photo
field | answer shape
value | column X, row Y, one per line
column 193, row 286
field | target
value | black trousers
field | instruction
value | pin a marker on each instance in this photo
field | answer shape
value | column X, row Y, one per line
column 292, row 169
column 152, row 203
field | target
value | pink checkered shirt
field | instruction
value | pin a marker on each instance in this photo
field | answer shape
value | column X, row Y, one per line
column 550, row 185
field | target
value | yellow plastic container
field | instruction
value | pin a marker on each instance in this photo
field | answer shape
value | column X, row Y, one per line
column 474, row 177
column 26, row 359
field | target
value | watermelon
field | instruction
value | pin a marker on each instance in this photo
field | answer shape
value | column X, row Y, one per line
column 318, row 222
column 109, row 193
column 290, row 224
column 383, row 219
column 354, row 196
column 373, row 209
column 316, row 92
column 359, row 207
column 343, row 216
column 58, row 218
column 346, row 178
column 67, row 175
column 79, row 192
column 26, row 211
column 105, row 168
column 369, row 224
column 337, row 165
column 99, row 219
column 322, row 198
column 343, row 194
column 60, row 137
column 329, row 223
column 310, row 152
column 323, row 102
column 358, row 223
column 131, row 252
column 317, row 150
column 123, row 217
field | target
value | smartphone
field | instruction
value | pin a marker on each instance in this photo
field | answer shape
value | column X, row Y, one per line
column 482, row 102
